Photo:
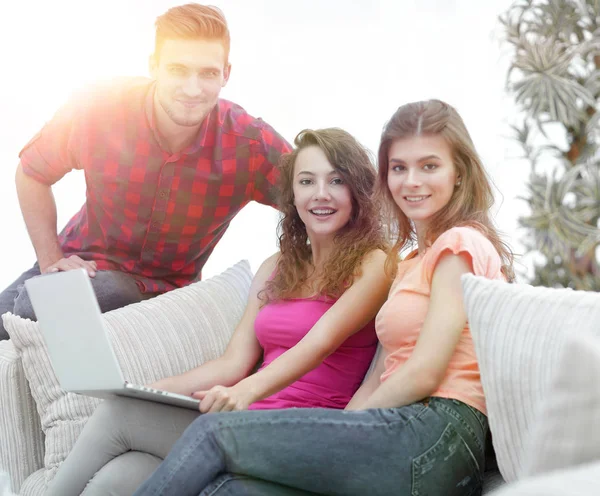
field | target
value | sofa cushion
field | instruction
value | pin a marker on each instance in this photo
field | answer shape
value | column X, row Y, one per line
column 22, row 442
column 519, row 332
column 34, row 485
column 577, row 481
column 152, row 339
column 567, row 432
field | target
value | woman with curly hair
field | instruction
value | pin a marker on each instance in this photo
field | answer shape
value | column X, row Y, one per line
column 310, row 317
column 418, row 423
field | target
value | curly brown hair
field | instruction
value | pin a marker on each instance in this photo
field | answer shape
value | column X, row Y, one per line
column 362, row 234
column 470, row 203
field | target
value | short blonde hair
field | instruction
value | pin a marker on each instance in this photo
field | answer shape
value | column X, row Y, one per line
column 192, row 21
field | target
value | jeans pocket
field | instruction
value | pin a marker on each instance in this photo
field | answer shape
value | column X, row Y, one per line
column 481, row 418
column 448, row 468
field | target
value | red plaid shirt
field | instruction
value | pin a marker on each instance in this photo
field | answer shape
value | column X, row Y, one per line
column 148, row 213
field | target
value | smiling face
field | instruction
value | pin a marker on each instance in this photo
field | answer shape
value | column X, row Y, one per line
column 189, row 74
column 421, row 177
column 321, row 197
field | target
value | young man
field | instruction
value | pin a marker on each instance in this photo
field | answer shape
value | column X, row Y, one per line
column 167, row 166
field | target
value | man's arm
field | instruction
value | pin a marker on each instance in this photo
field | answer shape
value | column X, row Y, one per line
column 44, row 160
column 39, row 212
column 272, row 147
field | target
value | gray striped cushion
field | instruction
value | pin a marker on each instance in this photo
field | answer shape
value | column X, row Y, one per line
column 21, row 442
column 155, row 338
column 568, row 430
column 35, row 485
column 519, row 332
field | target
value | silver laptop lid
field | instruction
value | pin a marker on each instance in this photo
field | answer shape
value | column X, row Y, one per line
column 72, row 326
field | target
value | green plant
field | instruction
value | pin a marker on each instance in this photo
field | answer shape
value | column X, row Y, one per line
column 554, row 77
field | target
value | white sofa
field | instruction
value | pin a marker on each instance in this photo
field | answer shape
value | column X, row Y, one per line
column 166, row 335
column 21, row 433
column 156, row 338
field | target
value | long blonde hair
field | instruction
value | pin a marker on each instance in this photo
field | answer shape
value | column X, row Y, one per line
column 470, row 203
column 362, row 234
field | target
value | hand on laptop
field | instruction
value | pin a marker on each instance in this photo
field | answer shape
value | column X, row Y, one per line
column 224, row 399
column 70, row 263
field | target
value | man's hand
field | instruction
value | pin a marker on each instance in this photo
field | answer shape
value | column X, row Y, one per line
column 224, row 399
column 70, row 263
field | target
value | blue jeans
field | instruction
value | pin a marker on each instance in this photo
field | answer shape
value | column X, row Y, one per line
column 241, row 485
column 421, row 449
column 113, row 290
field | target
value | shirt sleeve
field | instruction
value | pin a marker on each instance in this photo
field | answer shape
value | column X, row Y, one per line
column 53, row 151
column 267, row 166
column 485, row 260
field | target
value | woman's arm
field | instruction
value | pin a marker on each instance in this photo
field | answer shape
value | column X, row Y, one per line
column 369, row 385
column 242, row 352
column 350, row 313
column 424, row 371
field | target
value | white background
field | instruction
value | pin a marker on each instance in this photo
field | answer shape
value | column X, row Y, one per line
column 306, row 63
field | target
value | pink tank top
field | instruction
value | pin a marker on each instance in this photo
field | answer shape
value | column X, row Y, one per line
column 281, row 324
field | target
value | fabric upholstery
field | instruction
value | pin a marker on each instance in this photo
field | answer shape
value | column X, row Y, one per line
column 22, row 442
column 519, row 333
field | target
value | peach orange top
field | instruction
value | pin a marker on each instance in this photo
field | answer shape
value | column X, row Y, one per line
column 400, row 319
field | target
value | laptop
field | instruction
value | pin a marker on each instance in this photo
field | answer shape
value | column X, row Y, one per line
column 80, row 351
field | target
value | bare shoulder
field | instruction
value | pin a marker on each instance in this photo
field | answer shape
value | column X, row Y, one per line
column 266, row 269
column 372, row 283
column 372, row 268
column 270, row 263
column 374, row 259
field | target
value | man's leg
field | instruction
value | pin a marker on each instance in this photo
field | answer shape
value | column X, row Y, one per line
column 8, row 296
column 113, row 290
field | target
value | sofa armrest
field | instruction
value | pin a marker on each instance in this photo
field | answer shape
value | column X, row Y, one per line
column 22, row 442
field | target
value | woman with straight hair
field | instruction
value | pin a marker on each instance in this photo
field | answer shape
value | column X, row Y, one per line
column 309, row 317
column 418, row 423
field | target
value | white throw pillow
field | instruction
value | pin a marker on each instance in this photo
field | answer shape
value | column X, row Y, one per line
column 567, row 432
column 152, row 339
column 519, row 333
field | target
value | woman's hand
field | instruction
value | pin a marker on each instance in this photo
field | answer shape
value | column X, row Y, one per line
column 166, row 384
column 224, row 399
